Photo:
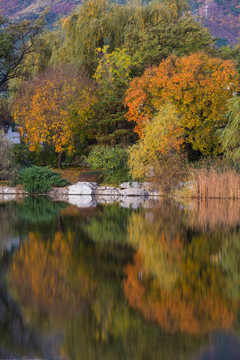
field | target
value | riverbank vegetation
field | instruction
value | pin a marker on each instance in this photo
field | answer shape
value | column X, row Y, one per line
column 139, row 90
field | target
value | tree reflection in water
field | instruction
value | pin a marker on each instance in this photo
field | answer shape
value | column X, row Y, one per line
column 183, row 277
column 181, row 280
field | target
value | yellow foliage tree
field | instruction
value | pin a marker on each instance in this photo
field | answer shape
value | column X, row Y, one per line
column 159, row 147
column 53, row 107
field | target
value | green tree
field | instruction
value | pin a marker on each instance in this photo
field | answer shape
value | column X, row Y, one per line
column 112, row 75
column 230, row 135
column 159, row 40
column 112, row 161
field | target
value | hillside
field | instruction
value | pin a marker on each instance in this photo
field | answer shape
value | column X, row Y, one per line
column 222, row 17
column 30, row 9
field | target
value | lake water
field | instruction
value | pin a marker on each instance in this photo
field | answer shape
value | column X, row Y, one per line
column 161, row 281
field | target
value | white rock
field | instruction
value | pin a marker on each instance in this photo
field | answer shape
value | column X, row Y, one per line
column 136, row 185
column 9, row 190
column 82, row 188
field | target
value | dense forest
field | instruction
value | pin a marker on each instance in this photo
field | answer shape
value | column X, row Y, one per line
column 138, row 89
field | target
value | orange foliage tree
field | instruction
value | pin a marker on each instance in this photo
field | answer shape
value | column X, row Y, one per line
column 199, row 87
column 54, row 107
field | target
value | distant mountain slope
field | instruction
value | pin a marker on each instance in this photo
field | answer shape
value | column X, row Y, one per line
column 222, row 17
column 30, row 9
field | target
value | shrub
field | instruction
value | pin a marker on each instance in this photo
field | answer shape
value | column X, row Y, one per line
column 45, row 157
column 39, row 180
column 112, row 161
column 7, row 162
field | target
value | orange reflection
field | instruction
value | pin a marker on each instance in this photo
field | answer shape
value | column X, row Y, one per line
column 185, row 307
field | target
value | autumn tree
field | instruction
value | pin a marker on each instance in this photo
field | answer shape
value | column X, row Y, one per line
column 157, row 153
column 199, row 87
column 53, row 107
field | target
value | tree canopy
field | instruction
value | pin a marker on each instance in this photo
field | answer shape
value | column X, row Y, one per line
column 199, row 87
column 53, row 107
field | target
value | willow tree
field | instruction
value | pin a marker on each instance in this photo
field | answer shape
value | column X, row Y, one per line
column 101, row 22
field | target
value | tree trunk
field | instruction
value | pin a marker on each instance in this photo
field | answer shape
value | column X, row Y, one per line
column 60, row 160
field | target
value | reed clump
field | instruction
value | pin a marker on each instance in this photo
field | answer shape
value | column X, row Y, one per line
column 215, row 183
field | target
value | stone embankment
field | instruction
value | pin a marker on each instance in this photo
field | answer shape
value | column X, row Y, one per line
column 145, row 189
column 125, row 189
column 90, row 194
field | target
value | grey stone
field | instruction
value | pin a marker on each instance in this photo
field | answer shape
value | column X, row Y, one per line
column 133, row 192
column 130, row 185
column 59, row 191
column 125, row 185
column 107, row 190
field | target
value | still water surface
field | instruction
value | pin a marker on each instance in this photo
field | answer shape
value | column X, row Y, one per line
column 109, row 282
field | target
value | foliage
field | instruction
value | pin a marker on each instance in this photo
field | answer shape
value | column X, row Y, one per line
column 112, row 76
column 112, row 161
column 53, row 108
column 102, row 22
column 157, row 153
column 46, row 156
column 8, row 167
column 230, row 135
column 17, row 41
column 161, row 39
column 198, row 85
column 232, row 53
column 39, row 180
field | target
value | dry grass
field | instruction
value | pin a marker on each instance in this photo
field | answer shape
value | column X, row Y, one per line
column 215, row 184
column 74, row 175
